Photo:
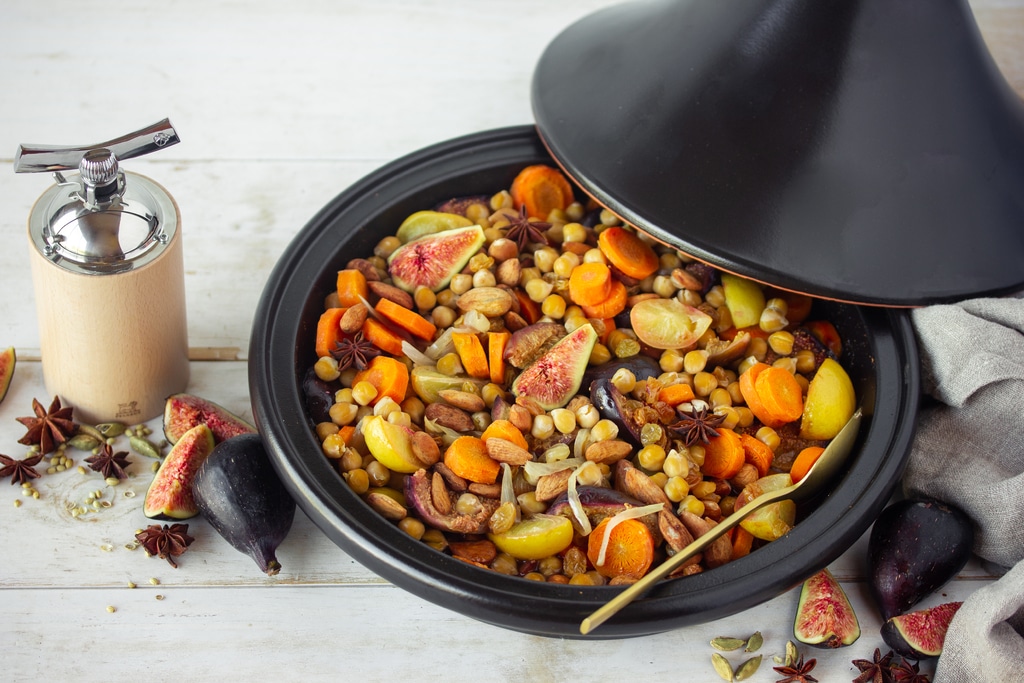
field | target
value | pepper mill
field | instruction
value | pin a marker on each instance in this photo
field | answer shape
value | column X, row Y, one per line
column 109, row 279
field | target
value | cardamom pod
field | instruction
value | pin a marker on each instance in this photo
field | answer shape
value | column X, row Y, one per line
column 755, row 642
column 727, row 644
column 84, row 442
column 791, row 653
column 111, row 429
column 722, row 666
column 748, row 668
column 92, row 431
column 144, row 446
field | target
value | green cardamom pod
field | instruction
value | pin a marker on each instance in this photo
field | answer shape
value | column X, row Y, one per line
column 748, row 668
column 755, row 642
column 93, row 432
column 727, row 644
column 722, row 666
column 84, row 442
column 111, row 429
column 791, row 653
column 144, row 446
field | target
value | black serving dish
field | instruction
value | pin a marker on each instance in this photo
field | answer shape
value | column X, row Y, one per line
column 879, row 353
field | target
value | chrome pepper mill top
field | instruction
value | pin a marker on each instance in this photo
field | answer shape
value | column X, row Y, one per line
column 108, row 274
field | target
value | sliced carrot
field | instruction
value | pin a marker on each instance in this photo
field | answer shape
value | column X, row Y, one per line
column 410, row 321
column 742, row 542
column 467, row 457
column 388, row 375
column 757, row 453
column 382, row 337
column 674, row 394
column 610, row 307
column 352, row 288
column 748, row 382
column 503, row 429
column 723, row 455
column 609, row 327
column 590, row 284
column 780, row 394
column 803, row 462
column 627, row 252
column 328, row 331
column 541, row 189
column 528, row 308
column 496, row 343
column 471, row 353
column 346, row 433
column 827, row 334
column 630, row 549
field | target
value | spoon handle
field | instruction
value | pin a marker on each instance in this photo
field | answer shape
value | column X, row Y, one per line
column 603, row 613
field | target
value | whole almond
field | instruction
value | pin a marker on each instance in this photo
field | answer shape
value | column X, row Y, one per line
column 449, row 416
column 490, row 301
column 514, row 321
column 505, row 451
column 508, row 272
column 463, row 399
column 439, row 494
column 387, row 506
column 482, row 552
column 520, row 417
column 453, row 480
column 550, row 486
column 392, row 293
column 425, row 449
column 674, row 531
column 608, row 451
column 368, row 270
column 352, row 320
column 485, row 490
column 633, row 482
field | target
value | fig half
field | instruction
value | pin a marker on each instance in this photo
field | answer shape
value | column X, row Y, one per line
column 8, row 360
column 432, row 260
column 556, row 376
column 824, row 615
column 921, row 634
column 182, row 412
column 915, row 547
column 170, row 493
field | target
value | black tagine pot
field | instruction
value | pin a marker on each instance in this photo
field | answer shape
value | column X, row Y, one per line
column 863, row 151
column 879, row 353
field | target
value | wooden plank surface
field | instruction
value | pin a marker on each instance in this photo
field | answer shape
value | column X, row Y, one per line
column 280, row 107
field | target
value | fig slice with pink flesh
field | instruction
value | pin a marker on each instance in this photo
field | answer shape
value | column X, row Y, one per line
column 824, row 615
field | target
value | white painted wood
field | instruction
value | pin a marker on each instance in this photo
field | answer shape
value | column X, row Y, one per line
column 280, row 107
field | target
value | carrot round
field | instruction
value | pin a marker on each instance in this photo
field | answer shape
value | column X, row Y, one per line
column 410, row 321
column 351, row 287
column 757, row 453
column 467, row 457
column 630, row 550
column 780, row 394
column 748, row 382
column 328, row 331
column 610, row 307
column 496, row 343
column 503, row 429
column 723, row 455
column 627, row 252
column 382, row 337
column 388, row 375
column 471, row 353
column 803, row 462
column 590, row 284
column 541, row 189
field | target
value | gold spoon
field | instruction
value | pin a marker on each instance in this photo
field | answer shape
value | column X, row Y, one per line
column 819, row 476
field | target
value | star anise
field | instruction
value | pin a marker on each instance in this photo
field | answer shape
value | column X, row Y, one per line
column 357, row 351
column 800, row 672
column 20, row 471
column 696, row 426
column 167, row 542
column 48, row 428
column 109, row 463
column 523, row 231
column 874, row 670
column 905, row 672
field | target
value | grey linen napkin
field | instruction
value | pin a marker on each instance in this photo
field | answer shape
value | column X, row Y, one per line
column 969, row 452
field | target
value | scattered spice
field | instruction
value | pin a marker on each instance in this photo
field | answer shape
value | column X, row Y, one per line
column 874, row 670
column 20, row 471
column 726, row 644
column 798, row 672
column 166, row 543
column 112, row 465
column 722, row 667
column 523, row 231
column 697, row 426
column 905, row 672
column 355, row 351
column 49, row 428
column 111, row 609
column 748, row 668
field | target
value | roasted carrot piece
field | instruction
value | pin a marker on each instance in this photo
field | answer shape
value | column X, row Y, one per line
column 742, row 542
column 590, row 284
column 541, row 189
column 610, row 307
column 780, row 394
column 748, row 382
column 382, row 337
column 352, row 287
column 757, row 453
column 528, row 308
column 627, row 252
column 328, row 331
column 471, row 353
column 503, row 429
column 674, row 394
column 803, row 462
column 410, row 321
column 630, row 549
column 723, row 455
column 388, row 375
column 346, row 433
column 496, row 343
column 467, row 457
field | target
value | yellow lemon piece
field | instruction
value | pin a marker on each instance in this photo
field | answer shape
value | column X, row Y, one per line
column 390, row 444
column 535, row 538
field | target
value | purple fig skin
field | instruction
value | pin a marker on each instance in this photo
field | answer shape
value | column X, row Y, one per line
column 319, row 396
column 600, row 503
column 921, row 634
column 641, row 366
column 240, row 494
column 915, row 547
column 418, row 493
column 610, row 402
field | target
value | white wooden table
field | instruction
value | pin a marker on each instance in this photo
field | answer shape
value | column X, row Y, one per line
column 280, row 106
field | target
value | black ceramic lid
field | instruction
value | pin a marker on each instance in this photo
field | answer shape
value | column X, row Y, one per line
column 862, row 150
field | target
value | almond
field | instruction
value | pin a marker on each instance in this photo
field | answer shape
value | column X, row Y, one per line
column 352, row 320
column 481, row 552
column 425, row 449
column 608, row 451
column 449, row 416
column 388, row 507
column 490, row 301
column 550, row 486
column 505, row 451
column 439, row 494
column 463, row 399
column 485, row 490
column 633, row 482
column 392, row 293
